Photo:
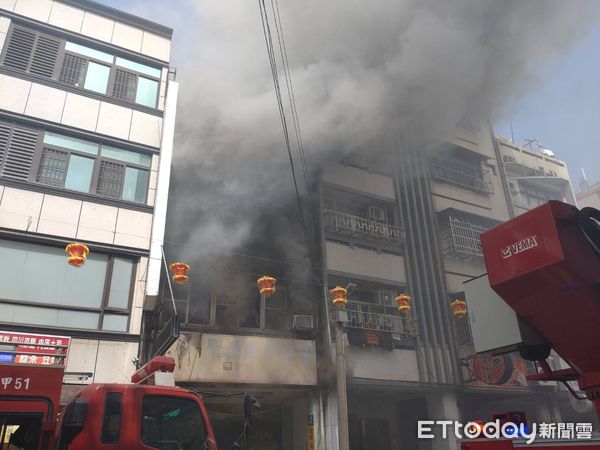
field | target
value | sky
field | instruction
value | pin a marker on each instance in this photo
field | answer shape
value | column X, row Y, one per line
column 561, row 108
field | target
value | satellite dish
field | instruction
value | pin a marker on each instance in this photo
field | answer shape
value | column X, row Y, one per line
column 547, row 152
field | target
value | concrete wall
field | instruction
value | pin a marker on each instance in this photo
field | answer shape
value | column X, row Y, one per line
column 370, row 263
column 379, row 364
column 359, row 180
column 108, row 361
column 91, row 25
column 244, row 359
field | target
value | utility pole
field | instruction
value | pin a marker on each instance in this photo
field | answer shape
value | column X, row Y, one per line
column 342, row 398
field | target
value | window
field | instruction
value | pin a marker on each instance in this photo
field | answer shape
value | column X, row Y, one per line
column 31, row 52
column 536, row 196
column 111, row 423
column 172, row 423
column 17, row 147
column 81, row 67
column 71, row 163
column 61, row 295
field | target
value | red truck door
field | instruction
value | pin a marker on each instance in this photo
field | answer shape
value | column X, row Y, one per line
column 172, row 419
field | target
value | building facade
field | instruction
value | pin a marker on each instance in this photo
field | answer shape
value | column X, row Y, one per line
column 589, row 194
column 87, row 111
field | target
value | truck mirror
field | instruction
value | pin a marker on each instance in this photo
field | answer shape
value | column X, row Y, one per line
column 73, row 419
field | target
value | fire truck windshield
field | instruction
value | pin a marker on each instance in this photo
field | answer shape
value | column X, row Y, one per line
column 171, row 423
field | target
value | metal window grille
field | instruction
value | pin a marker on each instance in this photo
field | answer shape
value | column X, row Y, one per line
column 73, row 70
column 124, row 85
column 110, row 180
column 19, row 153
column 468, row 175
column 462, row 328
column 461, row 238
column 53, row 167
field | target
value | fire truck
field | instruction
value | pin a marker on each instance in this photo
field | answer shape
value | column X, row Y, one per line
column 148, row 413
column 545, row 264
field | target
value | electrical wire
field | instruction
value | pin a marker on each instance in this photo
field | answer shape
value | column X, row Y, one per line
column 272, row 62
column 290, row 88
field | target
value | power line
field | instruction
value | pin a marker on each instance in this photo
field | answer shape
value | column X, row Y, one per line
column 273, row 64
column 290, row 89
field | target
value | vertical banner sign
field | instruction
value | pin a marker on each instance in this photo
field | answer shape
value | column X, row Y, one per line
column 310, row 433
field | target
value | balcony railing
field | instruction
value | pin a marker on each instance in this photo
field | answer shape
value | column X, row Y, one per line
column 459, row 173
column 359, row 226
column 461, row 238
column 462, row 329
column 368, row 316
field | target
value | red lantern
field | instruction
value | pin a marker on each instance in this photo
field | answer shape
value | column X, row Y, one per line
column 403, row 302
column 77, row 253
column 180, row 271
column 266, row 285
column 459, row 308
column 339, row 296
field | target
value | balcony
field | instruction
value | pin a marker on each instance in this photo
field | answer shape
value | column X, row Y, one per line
column 380, row 318
column 350, row 225
column 460, row 238
column 462, row 329
column 461, row 174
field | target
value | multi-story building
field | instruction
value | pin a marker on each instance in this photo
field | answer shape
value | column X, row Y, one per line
column 403, row 218
column 87, row 111
column 534, row 178
column 589, row 194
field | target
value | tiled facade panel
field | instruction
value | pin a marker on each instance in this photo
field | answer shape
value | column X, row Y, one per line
column 60, row 216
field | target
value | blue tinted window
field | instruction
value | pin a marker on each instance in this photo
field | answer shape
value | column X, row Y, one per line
column 141, row 68
column 135, row 185
column 96, row 78
column 146, row 92
column 86, row 51
column 70, row 143
column 126, row 155
column 79, row 173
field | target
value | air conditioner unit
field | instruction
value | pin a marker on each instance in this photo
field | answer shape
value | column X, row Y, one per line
column 376, row 213
column 302, row 322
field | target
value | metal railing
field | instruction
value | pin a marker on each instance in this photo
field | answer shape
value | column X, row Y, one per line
column 462, row 329
column 459, row 173
column 368, row 316
column 461, row 238
column 359, row 226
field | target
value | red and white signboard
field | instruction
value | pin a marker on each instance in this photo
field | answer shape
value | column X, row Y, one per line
column 31, row 348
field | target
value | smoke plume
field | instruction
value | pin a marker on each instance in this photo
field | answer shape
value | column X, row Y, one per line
column 357, row 68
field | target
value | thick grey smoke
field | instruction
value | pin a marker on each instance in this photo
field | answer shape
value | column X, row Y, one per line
column 357, row 67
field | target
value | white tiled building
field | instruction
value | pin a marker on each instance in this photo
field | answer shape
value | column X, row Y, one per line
column 87, row 113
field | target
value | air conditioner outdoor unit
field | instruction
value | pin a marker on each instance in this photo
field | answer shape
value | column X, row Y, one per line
column 376, row 213
column 302, row 322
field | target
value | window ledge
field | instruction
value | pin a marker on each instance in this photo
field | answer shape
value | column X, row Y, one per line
column 86, row 93
column 73, row 332
column 45, row 189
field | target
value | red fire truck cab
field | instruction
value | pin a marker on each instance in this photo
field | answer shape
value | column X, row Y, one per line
column 136, row 416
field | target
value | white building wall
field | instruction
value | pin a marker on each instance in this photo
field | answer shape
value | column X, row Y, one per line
column 92, row 25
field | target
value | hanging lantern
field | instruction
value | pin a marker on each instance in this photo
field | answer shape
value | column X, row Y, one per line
column 459, row 308
column 339, row 296
column 77, row 253
column 180, row 271
column 266, row 285
column 403, row 302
